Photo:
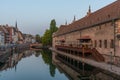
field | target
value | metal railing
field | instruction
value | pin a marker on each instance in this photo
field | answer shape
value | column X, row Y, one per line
column 114, row 60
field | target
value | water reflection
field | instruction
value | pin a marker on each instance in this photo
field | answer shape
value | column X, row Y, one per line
column 46, row 65
column 47, row 57
column 30, row 65
column 81, row 71
column 12, row 60
column 37, row 53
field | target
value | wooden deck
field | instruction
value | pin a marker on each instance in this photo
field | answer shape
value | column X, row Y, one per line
column 81, row 51
column 86, row 50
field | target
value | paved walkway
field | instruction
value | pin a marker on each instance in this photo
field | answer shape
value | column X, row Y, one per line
column 102, row 65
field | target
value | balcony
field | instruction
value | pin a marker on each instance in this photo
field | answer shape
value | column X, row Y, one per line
column 71, row 48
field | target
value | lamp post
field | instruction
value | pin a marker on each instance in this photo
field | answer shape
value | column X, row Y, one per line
column 111, row 59
column 114, row 38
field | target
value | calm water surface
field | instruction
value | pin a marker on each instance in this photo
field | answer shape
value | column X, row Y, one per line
column 30, row 65
column 41, row 65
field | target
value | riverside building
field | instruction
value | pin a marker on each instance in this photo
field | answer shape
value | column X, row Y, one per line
column 97, row 34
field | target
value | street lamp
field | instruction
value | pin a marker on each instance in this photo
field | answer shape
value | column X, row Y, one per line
column 111, row 59
column 114, row 25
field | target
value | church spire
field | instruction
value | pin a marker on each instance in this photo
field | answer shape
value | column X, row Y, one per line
column 66, row 23
column 16, row 26
column 89, row 11
column 74, row 19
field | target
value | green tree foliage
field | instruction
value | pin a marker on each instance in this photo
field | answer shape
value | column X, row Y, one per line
column 47, row 37
column 53, row 27
column 38, row 38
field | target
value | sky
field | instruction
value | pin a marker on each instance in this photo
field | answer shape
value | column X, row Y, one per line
column 34, row 16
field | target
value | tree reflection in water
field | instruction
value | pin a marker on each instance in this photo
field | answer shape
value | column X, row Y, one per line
column 37, row 53
column 33, row 65
column 47, row 58
column 29, row 66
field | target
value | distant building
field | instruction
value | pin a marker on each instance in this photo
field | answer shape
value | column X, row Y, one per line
column 10, row 35
column 6, row 34
column 13, row 34
column 20, row 37
column 2, row 37
column 28, row 38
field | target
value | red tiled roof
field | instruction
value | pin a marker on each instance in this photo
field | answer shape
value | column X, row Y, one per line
column 105, row 14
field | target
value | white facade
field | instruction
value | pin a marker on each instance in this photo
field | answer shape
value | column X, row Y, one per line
column 2, row 38
column 15, row 37
column 29, row 39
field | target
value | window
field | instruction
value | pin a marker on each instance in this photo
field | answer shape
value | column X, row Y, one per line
column 100, row 43
column 105, row 43
column 112, row 43
column 95, row 43
column 108, row 16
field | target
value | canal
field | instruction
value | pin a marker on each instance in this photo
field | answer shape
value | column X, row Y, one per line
column 44, row 65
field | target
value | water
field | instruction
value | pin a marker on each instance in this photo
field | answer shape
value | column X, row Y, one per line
column 42, row 65
column 30, row 66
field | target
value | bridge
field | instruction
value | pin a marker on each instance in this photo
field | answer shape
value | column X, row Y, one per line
column 35, row 46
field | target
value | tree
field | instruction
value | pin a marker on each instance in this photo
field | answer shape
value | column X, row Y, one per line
column 53, row 28
column 47, row 37
column 38, row 38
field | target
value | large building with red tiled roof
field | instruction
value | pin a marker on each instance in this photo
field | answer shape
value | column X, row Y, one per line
column 101, row 27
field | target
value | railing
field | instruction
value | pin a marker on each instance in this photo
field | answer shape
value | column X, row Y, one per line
column 112, row 59
column 97, row 55
column 78, row 49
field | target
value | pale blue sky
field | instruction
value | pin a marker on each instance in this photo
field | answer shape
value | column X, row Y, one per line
column 34, row 16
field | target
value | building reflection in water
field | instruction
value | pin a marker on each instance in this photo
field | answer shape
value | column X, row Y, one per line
column 54, row 61
column 81, row 72
column 13, row 59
